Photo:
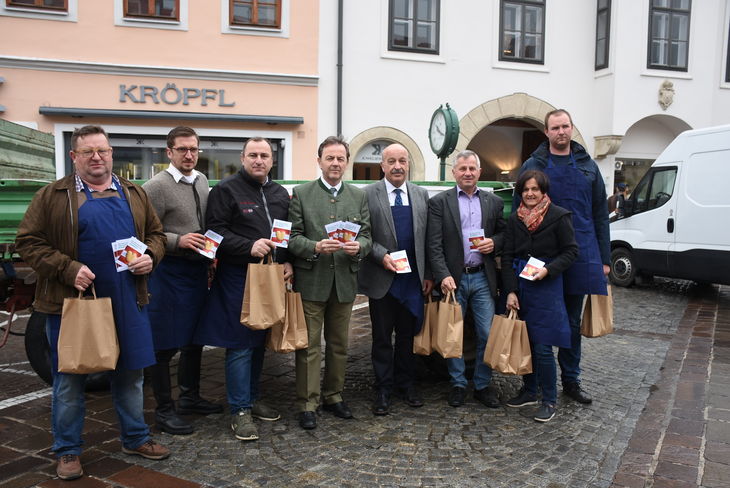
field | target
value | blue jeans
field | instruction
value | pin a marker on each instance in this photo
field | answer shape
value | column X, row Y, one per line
column 473, row 293
column 68, row 409
column 569, row 359
column 544, row 373
column 243, row 371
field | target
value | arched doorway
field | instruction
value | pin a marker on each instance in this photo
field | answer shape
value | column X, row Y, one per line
column 504, row 132
column 365, row 151
column 642, row 144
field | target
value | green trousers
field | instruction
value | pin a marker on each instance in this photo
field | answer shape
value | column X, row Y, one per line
column 334, row 317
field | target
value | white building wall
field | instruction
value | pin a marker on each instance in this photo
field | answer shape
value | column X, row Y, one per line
column 401, row 90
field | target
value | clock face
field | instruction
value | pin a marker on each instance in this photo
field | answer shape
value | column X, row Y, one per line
column 437, row 132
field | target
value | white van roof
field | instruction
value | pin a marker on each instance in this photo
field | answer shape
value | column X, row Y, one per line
column 690, row 141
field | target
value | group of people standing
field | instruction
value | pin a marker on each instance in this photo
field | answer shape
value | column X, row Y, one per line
column 65, row 236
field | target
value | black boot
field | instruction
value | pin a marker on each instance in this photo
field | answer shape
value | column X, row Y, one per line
column 166, row 418
column 188, row 379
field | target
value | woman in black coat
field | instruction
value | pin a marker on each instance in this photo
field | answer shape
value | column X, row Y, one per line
column 542, row 230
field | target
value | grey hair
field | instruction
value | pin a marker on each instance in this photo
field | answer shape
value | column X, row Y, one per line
column 468, row 153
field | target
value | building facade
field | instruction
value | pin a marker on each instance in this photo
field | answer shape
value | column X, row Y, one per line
column 633, row 74
column 231, row 69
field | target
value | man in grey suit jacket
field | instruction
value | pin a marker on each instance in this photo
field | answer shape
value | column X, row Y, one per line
column 398, row 218
column 465, row 267
column 326, row 276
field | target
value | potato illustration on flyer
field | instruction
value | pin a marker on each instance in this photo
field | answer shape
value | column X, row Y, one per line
column 475, row 238
column 349, row 231
column 212, row 241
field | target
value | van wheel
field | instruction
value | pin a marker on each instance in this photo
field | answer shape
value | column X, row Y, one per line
column 39, row 354
column 623, row 270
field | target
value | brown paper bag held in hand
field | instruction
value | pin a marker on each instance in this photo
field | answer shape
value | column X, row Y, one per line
column 447, row 337
column 88, row 341
column 598, row 315
column 263, row 295
column 291, row 334
column 508, row 346
column 422, row 340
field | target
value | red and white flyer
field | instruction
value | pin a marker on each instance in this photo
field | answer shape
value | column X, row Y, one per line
column 350, row 230
column 280, row 232
column 475, row 238
column 400, row 260
column 212, row 241
column 531, row 268
column 127, row 251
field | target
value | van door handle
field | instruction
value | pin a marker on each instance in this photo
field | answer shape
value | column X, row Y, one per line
column 670, row 225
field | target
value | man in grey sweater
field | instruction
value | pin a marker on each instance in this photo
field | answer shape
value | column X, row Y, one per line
column 179, row 285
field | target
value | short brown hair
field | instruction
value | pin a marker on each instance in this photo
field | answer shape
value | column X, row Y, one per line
column 333, row 141
column 557, row 111
column 257, row 139
column 181, row 131
column 542, row 180
column 84, row 131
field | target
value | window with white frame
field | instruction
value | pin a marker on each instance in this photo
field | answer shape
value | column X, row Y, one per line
column 522, row 29
column 414, row 26
column 603, row 33
column 669, row 34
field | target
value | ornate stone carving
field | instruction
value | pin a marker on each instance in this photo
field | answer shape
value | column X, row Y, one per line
column 666, row 94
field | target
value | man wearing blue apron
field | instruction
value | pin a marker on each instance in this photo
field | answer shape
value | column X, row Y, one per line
column 398, row 219
column 66, row 236
column 179, row 284
column 242, row 208
column 576, row 184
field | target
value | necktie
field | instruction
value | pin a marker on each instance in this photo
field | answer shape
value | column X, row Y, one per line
column 398, row 199
column 333, row 191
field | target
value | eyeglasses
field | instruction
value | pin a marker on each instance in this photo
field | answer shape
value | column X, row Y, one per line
column 184, row 150
column 88, row 153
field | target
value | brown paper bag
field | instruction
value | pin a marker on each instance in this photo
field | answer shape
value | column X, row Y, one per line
column 447, row 336
column 422, row 340
column 291, row 334
column 598, row 315
column 87, row 342
column 508, row 346
column 263, row 295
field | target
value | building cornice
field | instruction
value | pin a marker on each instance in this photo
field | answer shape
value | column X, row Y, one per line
column 21, row 62
column 158, row 114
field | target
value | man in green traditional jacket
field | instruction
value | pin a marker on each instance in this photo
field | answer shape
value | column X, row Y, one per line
column 326, row 276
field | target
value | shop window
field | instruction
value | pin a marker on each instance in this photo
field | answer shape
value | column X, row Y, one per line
column 603, row 33
column 522, row 28
column 414, row 26
column 52, row 5
column 256, row 13
column 152, row 9
column 669, row 34
column 140, row 157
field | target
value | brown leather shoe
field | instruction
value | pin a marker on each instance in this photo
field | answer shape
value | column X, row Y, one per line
column 69, row 467
column 149, row 450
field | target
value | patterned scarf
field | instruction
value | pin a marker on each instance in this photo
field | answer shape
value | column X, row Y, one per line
column 532, row 218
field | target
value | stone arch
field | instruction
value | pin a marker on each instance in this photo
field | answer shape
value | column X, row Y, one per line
column 515, row 106
column 417, row 167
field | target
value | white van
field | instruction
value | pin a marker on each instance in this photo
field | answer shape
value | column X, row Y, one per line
column 676, row 223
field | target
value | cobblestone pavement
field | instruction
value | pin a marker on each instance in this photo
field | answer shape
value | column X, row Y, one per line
column 435, row 445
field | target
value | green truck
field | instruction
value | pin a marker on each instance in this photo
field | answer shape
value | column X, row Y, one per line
column 27, row 163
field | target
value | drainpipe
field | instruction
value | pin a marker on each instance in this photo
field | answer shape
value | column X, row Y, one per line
column 340, row 8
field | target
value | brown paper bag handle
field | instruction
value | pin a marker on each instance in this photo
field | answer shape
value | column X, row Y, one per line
column 93, row 291
column 449, row 297
column 512, row 315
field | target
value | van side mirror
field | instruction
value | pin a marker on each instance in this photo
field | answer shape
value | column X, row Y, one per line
column 628, row 208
